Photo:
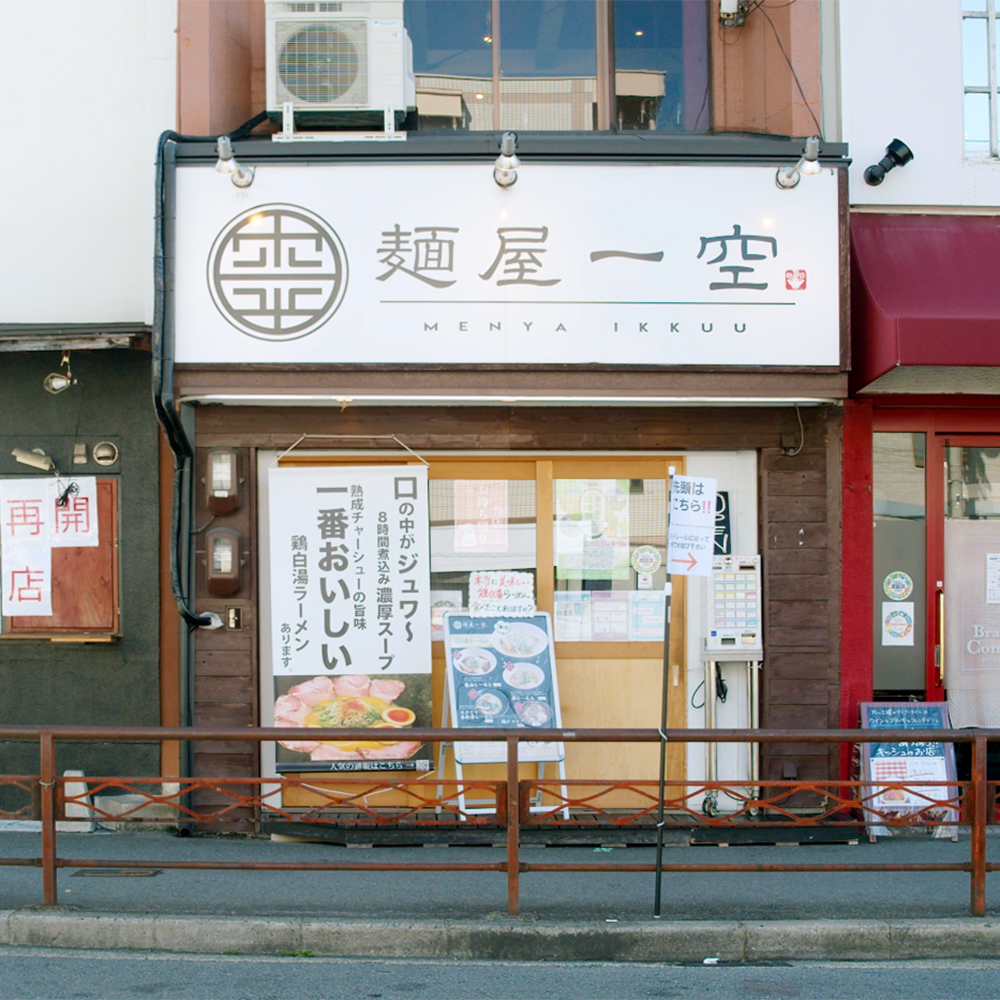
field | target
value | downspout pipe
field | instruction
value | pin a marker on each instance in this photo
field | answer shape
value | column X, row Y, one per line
column 164, row 402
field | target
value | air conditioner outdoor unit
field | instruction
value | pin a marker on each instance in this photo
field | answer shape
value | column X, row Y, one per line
column 340, row 63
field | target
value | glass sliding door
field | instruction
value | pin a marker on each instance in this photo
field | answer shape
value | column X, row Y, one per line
column 971, row 596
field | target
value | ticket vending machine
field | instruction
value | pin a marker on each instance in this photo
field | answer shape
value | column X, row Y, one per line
column 733, row 634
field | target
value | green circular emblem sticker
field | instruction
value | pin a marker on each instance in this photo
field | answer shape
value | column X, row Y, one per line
column 898, row 586
column 646, row 559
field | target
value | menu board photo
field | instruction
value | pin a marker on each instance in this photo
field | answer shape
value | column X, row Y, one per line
column 502, row 675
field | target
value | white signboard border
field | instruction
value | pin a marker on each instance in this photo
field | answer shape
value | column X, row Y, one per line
column 643, row 288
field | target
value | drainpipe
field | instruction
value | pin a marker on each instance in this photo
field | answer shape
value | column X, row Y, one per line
column 165, row 404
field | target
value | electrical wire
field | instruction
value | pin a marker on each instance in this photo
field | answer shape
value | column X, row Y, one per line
column 795, row 76
column 694, row 694
column 792, row 452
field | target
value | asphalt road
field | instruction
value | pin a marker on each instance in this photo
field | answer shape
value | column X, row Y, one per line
column 46, row 974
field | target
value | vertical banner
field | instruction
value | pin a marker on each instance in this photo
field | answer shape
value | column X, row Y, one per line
column 350, row 612
column 691, row 531
column 36, row 515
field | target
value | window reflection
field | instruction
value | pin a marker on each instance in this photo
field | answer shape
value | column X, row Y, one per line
column 661, row 65
column 546, row 72
column 453, row 62
column 973, row 482
column 548, row 65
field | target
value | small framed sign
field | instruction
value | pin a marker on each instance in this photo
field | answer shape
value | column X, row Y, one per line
column 502, row 675
column 903, row 776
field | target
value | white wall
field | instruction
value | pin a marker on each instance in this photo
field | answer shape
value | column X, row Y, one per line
column 901, row 77
column 88, row 86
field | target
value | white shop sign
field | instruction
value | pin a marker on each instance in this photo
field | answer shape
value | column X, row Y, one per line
column 576, row 263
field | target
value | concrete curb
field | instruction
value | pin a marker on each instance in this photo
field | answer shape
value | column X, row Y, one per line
column 511, row 938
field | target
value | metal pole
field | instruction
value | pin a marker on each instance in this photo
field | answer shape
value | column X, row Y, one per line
column 980, row 811
column 661, row 792
column 513, row 829
column 47, row 781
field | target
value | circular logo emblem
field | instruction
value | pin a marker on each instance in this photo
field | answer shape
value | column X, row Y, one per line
column 646, row 559
column 277, row 272
column 898, row 586
column 898, row 624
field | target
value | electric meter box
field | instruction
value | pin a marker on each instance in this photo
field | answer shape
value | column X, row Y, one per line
column 734, row 610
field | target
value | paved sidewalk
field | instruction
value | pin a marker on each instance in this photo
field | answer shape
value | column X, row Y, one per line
column 463, row 914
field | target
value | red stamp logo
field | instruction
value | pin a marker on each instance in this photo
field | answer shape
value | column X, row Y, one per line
column 795, row 280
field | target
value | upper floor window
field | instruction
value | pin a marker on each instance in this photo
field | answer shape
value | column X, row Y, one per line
column 979, row 73
column 560, row 65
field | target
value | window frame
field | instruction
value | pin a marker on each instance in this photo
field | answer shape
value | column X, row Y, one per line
column 990, row 90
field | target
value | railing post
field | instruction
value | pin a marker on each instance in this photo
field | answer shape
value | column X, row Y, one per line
column 980, row 810
column 513, row 829
column 47, row 783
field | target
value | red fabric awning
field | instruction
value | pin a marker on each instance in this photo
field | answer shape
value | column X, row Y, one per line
column 925, row 290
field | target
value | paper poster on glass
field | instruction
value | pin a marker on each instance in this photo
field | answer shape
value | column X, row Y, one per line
column 647, row 616
column 502, row 675
column 609, row 615
column 572, row 617
column 909, row 779
column 350, row 596
column 993, row 577
column 897, row 623
column 592, row 529
column 501, row 592
column 480, row 515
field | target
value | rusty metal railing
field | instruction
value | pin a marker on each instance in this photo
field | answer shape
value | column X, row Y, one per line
column 434, row 800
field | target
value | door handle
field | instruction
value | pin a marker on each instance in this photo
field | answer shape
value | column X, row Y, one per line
column 939, row 648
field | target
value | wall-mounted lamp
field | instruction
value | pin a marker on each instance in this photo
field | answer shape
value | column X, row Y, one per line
column 505, row 169
column 228, row 164
column 105, row 453
column 808, row 164
column 897, row 154
column 57, row 382
column 36, row 458
column 222, row 483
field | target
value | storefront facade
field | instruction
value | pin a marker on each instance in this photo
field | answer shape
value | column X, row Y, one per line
column 920, row 447
column 600, row 325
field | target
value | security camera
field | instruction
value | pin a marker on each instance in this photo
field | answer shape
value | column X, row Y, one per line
column 897, row 154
